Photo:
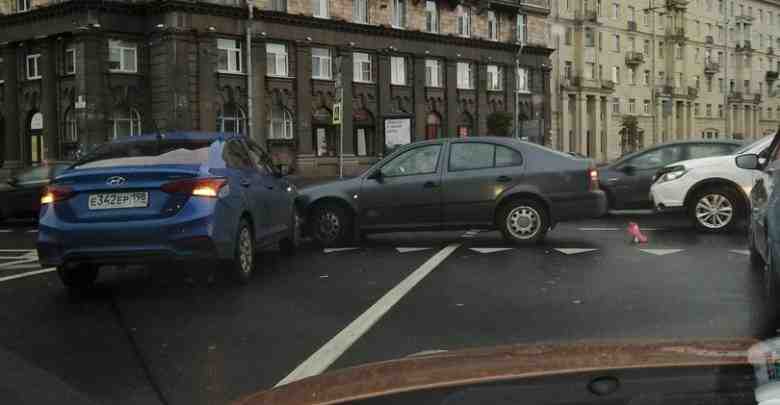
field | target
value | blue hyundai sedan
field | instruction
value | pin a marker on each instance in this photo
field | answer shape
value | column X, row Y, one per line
column 166, row 197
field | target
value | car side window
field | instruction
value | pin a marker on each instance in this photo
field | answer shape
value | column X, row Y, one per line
column 422, row 160
column 657, row 158
column 702, row 150
column 35, row 174
column 471, row 156
column 506, row 157
column 236, row 156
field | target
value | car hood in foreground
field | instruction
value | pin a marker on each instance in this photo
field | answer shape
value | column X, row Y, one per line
column 485, row 365
column 720, row 161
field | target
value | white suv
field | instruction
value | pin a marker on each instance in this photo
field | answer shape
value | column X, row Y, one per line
column 713, row 190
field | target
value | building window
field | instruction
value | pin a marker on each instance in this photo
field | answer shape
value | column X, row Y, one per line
column 589, row 40
column 70, row 134
column 662, row 77
column 280, row 124
column 616, row 105
column 590, row 70
column 23, row 5
column 720, row 85
column 646, row 107
column 678, row 51
column 631, row 72
column 617, row 43
column 70, row 61
column 646, row 78
column 661, row 49
column 433, row 73
column 122, row 56
column 399, row 14
column 678, row 80
column 126, row 123
column 522, row 80
column 33, row 71
column 360, row 11
column 229, row 60
column 492, row 26
column 615, row 10
column 463, row 14
column 696, row 109
column 631, row 13
column 616, row 74
column 521, row 31
column 697, row 82
column 276, row 59
column 397, row 70
column 709, row 110
column 320, row 8
column 361, row 65
column 433, row 126
column 279, row 5
column 567, row 69
column 720, row 111
column 321, row 63
column 646, row 48
column 631, row 106
column 231, row 119
column 495, row 78
column 431, row 16
column 567, row 36
column 646, row 18
column 465, row 76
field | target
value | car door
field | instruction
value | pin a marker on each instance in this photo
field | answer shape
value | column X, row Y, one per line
column 634, row 186
column 252, row 186
column 24, row 197
column 475, row 174
column 405, row 192
column 280, row 201
column 762, row 193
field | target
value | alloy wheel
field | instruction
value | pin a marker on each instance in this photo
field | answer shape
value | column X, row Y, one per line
column 714, row 211
column 329, row 225
column 523, row 222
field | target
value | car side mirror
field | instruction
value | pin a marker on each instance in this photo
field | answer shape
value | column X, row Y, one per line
column 377, row 175
column 628, row 169
column 749, row 161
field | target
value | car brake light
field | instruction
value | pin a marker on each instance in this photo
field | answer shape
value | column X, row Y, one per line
column 594, row 179
column 52, row 194
column 198, row 187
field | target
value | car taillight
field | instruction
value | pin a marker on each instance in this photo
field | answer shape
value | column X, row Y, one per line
column 594, row 179
column 198, row 187
column 52, row 194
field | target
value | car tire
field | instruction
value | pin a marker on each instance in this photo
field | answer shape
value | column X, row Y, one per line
column 79, row 277
column 289, row 245
column 714, row 210
column 331, row 225
column 243, row 262
column 523, row 221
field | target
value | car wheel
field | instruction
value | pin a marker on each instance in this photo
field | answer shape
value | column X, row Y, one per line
column 714, row 209
column 331, row 225
column 756, row 261
column 78, row 277
column 243, row 263
column 289, row 244
column 523, row 221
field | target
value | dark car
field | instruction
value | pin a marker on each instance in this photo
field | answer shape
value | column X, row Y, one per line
column 627, row 181
column 521, row 188
column 20, row 195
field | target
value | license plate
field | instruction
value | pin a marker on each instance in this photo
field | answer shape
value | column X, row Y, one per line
column 110, row 201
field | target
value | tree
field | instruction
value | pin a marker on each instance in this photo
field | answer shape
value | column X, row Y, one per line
column 499, row 123
column 631, row 134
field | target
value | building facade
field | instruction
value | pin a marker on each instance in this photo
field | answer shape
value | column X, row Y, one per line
column 631, row 74
column 75, row 74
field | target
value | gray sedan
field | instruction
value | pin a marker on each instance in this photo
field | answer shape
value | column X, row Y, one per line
column 520, row 188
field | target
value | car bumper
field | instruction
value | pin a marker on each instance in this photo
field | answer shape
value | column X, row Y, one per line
column 592, row 204
column 668, row 196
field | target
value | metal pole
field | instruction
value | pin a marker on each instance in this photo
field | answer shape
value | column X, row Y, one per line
column 249, row 82
column 653, row 99
column 341, row 134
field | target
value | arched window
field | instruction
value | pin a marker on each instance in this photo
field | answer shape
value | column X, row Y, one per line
column 280, row 123
column 69, row 139
column 433, row 126
column 465, row 126
column 126, row 122
column 231, row 119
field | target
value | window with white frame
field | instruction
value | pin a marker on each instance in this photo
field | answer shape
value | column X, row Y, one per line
column 361, row 65
column 398, row 70
column 431, row 16
column 278, row 5
column 492, row 25
column 122, row 56
column 616, row 105
column 126, row 123
column 521, row 31
column 522, row 80
column 70, row 132
column 360, row 11
column 70, row 61
column 231, row 119
column 33, row 71
column 590, row 70
column 276, row 59
column 321, row 63
column 320, row 8
column 465, row 75
column 399, row 14
column 433, row 73
column 646, row 107
column 631, row 106
column 463, row 19
column 631, row 73
column 495, row 78
column 229, row 56
column 23, row 5
column 616, row 74
column 280, row 123
column 615, row 10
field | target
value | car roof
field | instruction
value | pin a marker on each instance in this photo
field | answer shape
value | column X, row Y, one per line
column 182, row 135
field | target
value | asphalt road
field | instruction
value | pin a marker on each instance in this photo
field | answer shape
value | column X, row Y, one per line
column 190, row 336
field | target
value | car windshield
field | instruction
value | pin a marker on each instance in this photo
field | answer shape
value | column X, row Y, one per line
column 755, row 147
column 147, row 152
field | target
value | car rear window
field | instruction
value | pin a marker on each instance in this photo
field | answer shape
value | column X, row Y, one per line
column 148, row 152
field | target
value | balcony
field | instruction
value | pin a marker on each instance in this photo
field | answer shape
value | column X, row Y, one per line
column 634, row 58
column 735, row 97
column 711, row 68
column 771, row 75
column 515, row 5
column 709, row 40
column 664, row 90
column 744, row 19
column 677, row 4
column 744, row 46
column 770, row 51
column 676, row 33
column 608, row 85
column 693, row 92
column 632, row 26
column 586, row 16
column 757, row 98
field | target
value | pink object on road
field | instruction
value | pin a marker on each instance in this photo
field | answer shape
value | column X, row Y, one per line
column 637, row 235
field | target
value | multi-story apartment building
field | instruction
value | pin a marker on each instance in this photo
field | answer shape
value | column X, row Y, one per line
column 630, row 74
column 74, row 74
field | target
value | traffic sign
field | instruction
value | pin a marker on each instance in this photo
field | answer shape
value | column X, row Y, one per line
column 337, row 114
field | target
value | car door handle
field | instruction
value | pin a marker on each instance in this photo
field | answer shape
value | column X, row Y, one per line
column 430, row 184
column 503, row 179
column 245, row 183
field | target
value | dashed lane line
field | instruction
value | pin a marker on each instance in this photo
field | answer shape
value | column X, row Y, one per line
column 489, row 250
column 661, row 252
column 331, row 351
column 333, row 250
column 28, row 274
column 574, row 251
column 740, row 251
column 8, row 265
column 411, row 249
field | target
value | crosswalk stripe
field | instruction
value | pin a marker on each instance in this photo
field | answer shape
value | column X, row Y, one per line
column 28, row 274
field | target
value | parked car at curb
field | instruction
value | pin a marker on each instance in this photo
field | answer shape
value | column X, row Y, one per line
column 166, row 197
column 713, row 191
column 20, row 195
column 520, row 188
column 627, row 181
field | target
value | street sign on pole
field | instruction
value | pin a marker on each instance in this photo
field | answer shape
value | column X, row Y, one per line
column 80, row 104
column 337, row 114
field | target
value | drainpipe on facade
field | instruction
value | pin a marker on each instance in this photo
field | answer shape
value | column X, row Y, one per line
column 653, row 98
column 249, row 88
column 517, row 89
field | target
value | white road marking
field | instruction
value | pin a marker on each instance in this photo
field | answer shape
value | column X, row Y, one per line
column 489, row 250
column 661, row 252
column 4, row 266
column 599, row 229
column 5, row 231
column 632, row 212
column 411, row 249
column 17, row 250
column 331, row 351
column 740, row 251
column 344, row 249
column 24, row 266
column 28, row 274
column 470, row 233
column 32, row 231
column 574, row 251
